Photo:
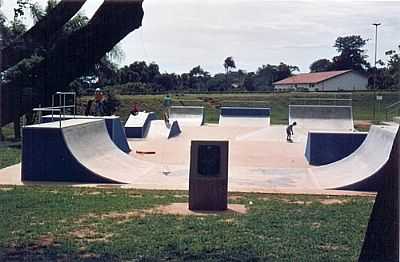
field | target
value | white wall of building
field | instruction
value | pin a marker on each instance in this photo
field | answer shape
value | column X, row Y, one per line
column 348, row 81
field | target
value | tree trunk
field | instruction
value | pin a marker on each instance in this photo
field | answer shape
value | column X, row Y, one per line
column 74, row 56
column 17, row 129
column 40, row 34
column 2, row 138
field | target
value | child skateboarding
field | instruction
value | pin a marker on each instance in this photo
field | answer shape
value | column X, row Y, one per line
column 289, row 132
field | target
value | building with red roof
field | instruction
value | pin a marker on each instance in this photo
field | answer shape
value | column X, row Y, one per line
column 343, row 80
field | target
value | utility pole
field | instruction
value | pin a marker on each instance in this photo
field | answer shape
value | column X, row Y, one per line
column 375, row 69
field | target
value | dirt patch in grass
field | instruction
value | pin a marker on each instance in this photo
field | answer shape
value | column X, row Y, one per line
column 182, row 209
column 118, row 217
column 330, row 247
column 332, row 201
column 235, row 197
column 6, row 189
column 296, row 202
column 27, row 252
column 89, row 234
column 315, row 225
column 181, row 196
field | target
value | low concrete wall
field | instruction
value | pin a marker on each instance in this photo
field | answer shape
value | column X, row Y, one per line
column 327, row 147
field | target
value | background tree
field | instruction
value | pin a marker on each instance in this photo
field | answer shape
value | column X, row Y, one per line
column 228, row 64
column 393, row 68
column 352, row 55
column 321, row 65
column 249, row 82
column 198, row 78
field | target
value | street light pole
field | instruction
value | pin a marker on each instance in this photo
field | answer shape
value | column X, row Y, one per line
column 375, row 70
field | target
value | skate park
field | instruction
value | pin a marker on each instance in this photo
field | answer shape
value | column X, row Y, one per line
column 248, row 161
column 148, row 153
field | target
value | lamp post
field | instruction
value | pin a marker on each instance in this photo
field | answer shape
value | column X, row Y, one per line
column 375, row 70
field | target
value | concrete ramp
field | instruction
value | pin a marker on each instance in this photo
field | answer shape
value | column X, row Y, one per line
column 187, row 115
column 322, row 117
column 80, row 151
column 362, row 169
column 113, row 124
column 137, row 125
column 244, row 116
column 159, row 129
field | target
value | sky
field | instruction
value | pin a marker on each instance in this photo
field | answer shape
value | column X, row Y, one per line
column 181, row 34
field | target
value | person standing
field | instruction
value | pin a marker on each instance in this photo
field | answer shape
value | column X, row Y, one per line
column 99, row 100
column 289, row 132
column 166, row 104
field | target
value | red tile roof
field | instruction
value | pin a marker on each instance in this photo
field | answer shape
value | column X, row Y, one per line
column 310, row 78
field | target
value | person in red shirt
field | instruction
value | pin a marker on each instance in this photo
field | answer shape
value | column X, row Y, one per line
column 135, row 109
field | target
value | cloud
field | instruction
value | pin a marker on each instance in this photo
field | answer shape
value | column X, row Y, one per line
column 180, row 34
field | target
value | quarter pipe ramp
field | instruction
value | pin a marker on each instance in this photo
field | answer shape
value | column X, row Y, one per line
column 187, row 115
column 159, row 129
column 322, row 117
column 80, row 151
column 362, row 169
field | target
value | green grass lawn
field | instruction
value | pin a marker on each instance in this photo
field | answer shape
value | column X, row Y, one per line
column 85, row 224
column 9, row 156
column 362, row 103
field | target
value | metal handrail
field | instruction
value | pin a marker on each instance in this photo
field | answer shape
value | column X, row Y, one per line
column 62, row 101
column 48, row 109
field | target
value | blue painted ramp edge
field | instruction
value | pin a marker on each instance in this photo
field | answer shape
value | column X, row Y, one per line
column 174, row 130
column 327, row 147
column 246, row 111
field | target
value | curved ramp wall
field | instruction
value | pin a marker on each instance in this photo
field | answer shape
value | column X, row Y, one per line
column 322, row 117
column 362, row 169
column 159, row 129
column 327, row 147
column 113, row 123
column 80, row 151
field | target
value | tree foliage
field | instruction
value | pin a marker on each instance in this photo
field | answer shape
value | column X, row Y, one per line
column 321, row 65
column 351, row 53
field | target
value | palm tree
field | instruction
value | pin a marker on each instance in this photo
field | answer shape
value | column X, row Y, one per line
column 228, row 63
